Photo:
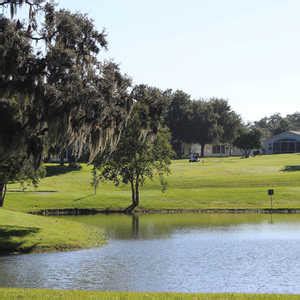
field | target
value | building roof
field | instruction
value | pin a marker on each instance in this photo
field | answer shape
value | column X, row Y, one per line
column 274, row 137
column 294, row 132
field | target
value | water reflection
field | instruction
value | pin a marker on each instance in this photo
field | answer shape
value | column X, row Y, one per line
column 135, row 226
column 271, row 218
column 183, row 253
column 162, row 226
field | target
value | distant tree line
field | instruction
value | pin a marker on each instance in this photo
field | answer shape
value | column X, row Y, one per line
column 276, row 124
column 212, row 121
column 201, row 121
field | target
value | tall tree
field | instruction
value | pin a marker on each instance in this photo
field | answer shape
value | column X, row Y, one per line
column 248, row 140
column 21, row 134
column 63, row 96
column 201, row 121
column 177, row 119
column 144, row 148
column 202, row 124
column 272, row 125
column 294, row 121
column 229, row 122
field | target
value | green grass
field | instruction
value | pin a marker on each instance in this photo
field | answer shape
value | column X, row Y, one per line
column 216, row 183
column 22, row 233
column 12, row 294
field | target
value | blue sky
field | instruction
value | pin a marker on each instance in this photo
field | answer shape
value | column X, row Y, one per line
column 247, row 51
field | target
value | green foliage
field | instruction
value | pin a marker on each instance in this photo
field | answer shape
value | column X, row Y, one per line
column 200, row 121
column 294, row 121
column 21, row 131
column 248, row 140
column 275, row 124
column 229, row 122
column 177, row 118
column 144, row 148
column 88, row 101
column 203, row 124
column 63, row 97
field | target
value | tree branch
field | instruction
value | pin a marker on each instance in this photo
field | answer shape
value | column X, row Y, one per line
column 18, row 3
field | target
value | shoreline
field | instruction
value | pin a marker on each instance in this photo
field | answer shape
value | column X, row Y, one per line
column 95, row 211
column 23, row 233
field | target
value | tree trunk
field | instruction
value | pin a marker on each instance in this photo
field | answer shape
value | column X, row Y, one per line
column 62, row 158
column 2, row 193
column 137, row 193
column 95, row 189
column 246, row 153
column 178, row 148
column 202, row 149
column 134, row 196
column 72, row 160
column 132, row 192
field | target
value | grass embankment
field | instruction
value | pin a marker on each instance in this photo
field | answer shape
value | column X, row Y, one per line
column 214, row 183
column 11, row 294
column 23, row 233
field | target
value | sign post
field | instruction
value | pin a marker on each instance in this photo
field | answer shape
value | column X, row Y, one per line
column 271, row 194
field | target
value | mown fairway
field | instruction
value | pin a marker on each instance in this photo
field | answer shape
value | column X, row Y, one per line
column 12, row 294
column 214, row 183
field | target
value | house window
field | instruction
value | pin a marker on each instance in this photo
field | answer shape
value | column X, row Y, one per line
column 286, row 146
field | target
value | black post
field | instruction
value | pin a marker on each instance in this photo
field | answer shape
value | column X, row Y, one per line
column 271, row 193
column 271, row 203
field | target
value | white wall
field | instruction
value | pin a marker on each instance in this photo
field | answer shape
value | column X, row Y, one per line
column 208, row 151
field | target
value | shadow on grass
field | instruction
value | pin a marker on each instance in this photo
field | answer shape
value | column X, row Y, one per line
column 11, row 239
column 84, row 197
column 37, row 192
column 291, row 168
column 60, row 170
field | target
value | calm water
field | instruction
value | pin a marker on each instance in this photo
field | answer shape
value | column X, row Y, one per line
column 188, row 253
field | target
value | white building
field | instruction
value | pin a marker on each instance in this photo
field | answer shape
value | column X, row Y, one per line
column 286, row 142
column 218, row 150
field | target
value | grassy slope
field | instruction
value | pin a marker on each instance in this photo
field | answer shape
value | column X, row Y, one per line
column 80, row 295
column 215, row 183
column 21, row 232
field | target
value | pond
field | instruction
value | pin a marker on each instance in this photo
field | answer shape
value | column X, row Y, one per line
column 184, row 253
